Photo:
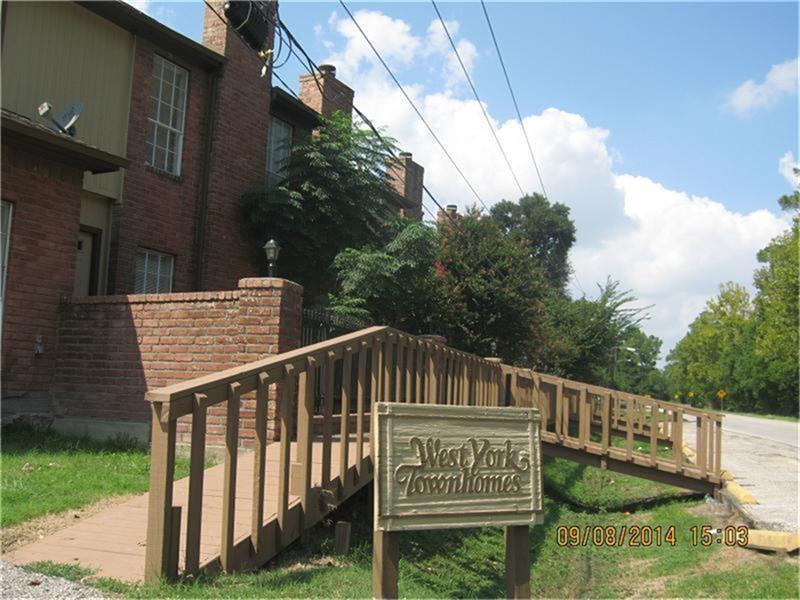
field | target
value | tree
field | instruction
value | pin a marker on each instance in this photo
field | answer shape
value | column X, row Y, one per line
column 467, row 281
column 635, row 368
column 333, row 197
column 585, row 334
column 776, row 321
column 546, row 229
column 716, row 351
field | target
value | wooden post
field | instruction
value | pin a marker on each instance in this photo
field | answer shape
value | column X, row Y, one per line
column 159, row 514
column 385, row 563
column 196, row 472
column 259, row 464
column 341, row 538
column 518, row 570
column 229, row 483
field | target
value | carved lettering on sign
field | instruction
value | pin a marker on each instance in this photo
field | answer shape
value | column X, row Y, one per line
column 456, row 466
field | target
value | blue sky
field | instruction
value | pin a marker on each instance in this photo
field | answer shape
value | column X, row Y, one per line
column 655, row 75
column 669, row 129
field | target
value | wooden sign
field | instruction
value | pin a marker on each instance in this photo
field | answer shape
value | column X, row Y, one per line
column 442, row 467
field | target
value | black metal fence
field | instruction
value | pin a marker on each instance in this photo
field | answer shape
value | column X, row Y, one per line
column 320, row 324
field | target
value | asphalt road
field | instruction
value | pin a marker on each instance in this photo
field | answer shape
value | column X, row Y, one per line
column 785, row 432
column 764, row 457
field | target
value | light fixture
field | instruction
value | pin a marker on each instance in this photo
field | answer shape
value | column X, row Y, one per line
column 271, row 250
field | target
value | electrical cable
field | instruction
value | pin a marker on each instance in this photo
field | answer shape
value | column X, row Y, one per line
column 475, row 93
column 413, row 104
column 514, row 99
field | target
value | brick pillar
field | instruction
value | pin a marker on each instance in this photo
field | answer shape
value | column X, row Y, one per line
column 268, row 322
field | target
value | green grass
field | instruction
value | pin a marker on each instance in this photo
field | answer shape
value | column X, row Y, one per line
column 64, row 473
column 469, row 564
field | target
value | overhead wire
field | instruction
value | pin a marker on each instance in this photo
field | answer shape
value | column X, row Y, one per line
column 413, row 105
column 477, row 98
column 514, row 98
column 312, row 68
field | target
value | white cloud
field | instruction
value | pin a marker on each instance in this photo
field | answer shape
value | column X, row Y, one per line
column 786, row 166
column 142, row 5
column 671, row 248
column 436, row 42
column 781, row 80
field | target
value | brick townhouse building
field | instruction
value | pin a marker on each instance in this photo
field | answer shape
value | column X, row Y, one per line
column 138, row 213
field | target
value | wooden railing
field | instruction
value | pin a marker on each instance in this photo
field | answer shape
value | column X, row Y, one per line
column 375, row 364
column 635, row 432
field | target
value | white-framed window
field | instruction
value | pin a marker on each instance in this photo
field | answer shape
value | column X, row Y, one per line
column 6, row 211
column 279, row 149
column 167, row 114
column 153, row 272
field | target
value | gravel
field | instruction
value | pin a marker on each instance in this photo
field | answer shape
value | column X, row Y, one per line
column 18, row 583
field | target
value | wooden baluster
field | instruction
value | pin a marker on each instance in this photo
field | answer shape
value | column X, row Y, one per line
column 259, row 465
column 197, row 467
column 409, row 372
column 677, row 441
column 629, row 426
column 431, row 393
column 305, row 438
column 605, row 418
column 361, row 390
column 654, row 424
column 329, row 372
column 398, row 370
column 387, row 368
column 344, row 434
column 286, row 409
column 701, row 445
column 584, row 417
column 718, row 445
column 377, row 356
column 559, row 424
column 229, row 491
column 160, row 513
column 418, row 373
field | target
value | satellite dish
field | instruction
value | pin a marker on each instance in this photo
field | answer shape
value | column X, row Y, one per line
column 67, row 119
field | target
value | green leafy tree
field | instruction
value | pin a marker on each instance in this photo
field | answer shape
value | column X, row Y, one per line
column 467, row 281
column 547, row 230
column 333, row 197
column 635, row 367
column 776, row 321
column 716, row 351
column 585, row 334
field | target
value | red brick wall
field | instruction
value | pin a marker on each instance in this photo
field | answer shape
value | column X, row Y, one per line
column 113, row 349
column 158, row 210
column 239, row 156
column 46, row 197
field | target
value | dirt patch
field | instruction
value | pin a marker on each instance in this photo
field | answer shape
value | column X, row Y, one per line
column 36, row 529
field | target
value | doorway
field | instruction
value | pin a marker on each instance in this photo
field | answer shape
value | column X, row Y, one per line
column 87, row 263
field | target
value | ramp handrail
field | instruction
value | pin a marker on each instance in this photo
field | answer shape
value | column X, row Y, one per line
column 374, row 364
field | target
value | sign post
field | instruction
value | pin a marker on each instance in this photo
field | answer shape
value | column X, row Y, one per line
column 444, row 467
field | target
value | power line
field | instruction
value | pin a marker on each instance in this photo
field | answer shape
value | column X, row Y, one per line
column 513, row 98
column 413, row 104
column 475, row 93
column 312, row 68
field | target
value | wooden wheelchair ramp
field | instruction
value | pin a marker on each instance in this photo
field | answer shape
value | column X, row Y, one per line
column 241, row 513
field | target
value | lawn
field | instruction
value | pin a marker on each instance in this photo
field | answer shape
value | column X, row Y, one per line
column 44, row 472
column 65, row 473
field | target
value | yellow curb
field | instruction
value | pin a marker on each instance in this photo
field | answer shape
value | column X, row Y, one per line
column 741, row 495
column 774, row 541
column 725, row 475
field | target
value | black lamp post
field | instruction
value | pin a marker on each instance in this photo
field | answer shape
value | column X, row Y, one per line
column 271, row 249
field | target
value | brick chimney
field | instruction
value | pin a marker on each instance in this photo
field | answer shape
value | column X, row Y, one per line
column 450, row 212
column 333, row 96
column 406, row 178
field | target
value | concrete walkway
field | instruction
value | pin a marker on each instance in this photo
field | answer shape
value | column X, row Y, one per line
column 764, row 457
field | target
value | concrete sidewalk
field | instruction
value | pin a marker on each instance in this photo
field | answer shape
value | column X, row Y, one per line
column 763, row 457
